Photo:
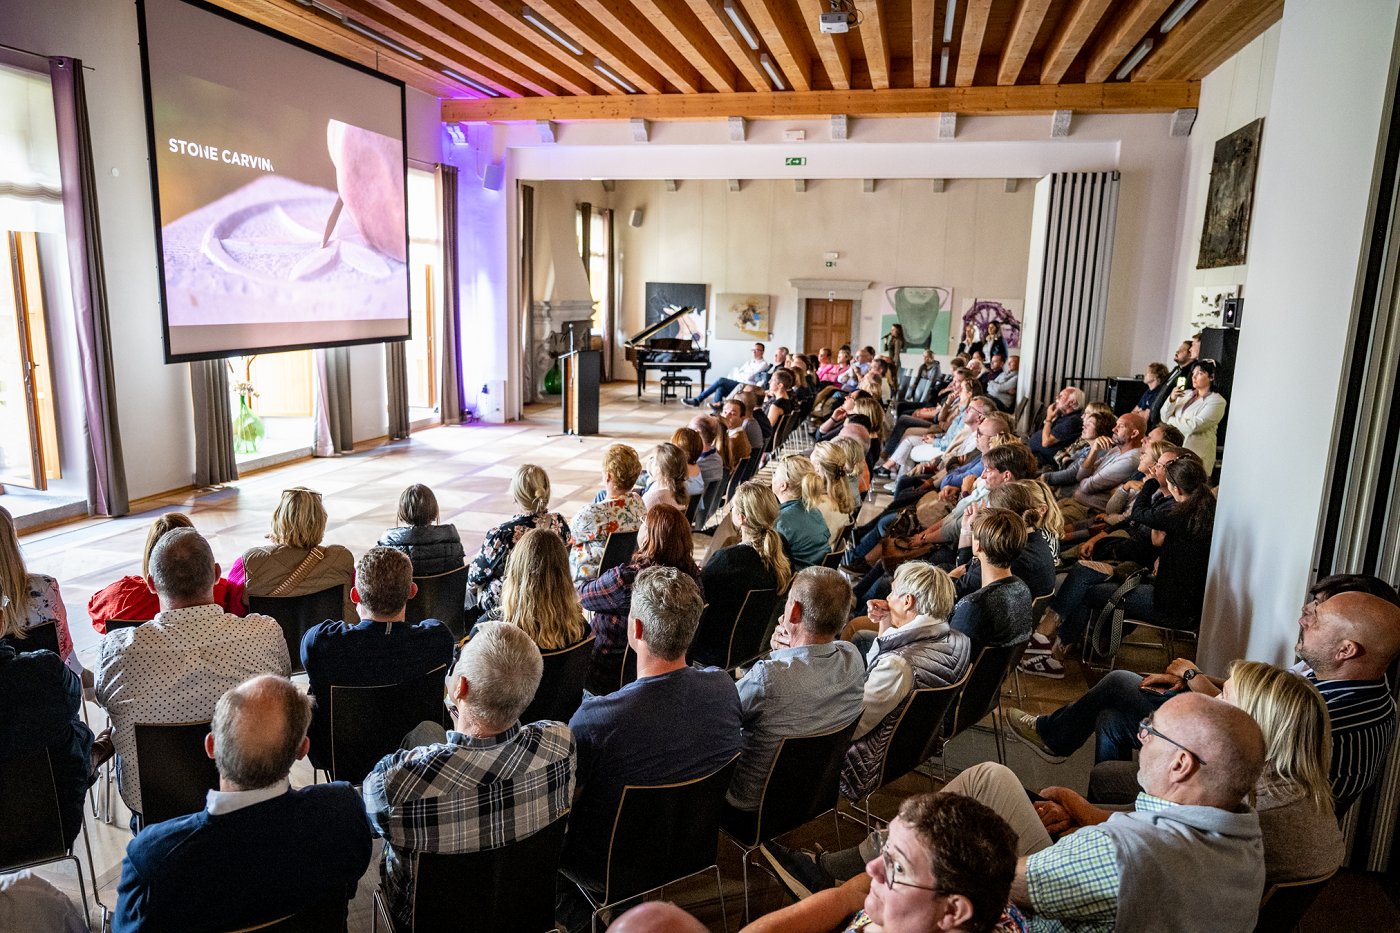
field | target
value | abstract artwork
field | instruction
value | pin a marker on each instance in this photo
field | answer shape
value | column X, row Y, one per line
column 983, row 311
column 742, row 316
column 1207, row 304
column 924, row 311
column 666, row 298
column 1230, row 200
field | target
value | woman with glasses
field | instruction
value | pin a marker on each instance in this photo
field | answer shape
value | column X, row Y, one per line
column 1197, row 413
column 296, row 563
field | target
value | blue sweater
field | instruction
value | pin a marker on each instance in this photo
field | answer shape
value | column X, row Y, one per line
column 263, row 862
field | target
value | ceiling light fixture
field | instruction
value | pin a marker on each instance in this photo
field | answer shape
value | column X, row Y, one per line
column 943, row 67
column 382, row 39
column 731, row 9
column 1177, row 14
column 548, row 28
column 469, row 82
column 948, row 20
column 612, row 76
column 1134, row 59
column 773, row 75
column 317, row 5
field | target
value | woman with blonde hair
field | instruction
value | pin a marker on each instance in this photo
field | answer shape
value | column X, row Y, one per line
column 131, row 599
column 537, row 594
column 800, row 521
column 858, row 469
column 296, row 563
column 757, row 562
column 666, row 468
column 830, row 488
column 530, row 490
column 619, row 510
column 34, row 598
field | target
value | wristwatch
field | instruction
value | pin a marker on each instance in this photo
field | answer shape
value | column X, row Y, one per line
column 1186, row 677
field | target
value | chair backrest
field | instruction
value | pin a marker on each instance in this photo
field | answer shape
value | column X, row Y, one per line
column 618, row 550
column 726, row 642
column 509, row 888
column 916, row 729
column 442, row 596
column 1038, row 606
column 983, row 691
column 296, row 614
column 174, row 770
column 627, row 670
column 41, row 637
column 560, row 692
column 1284, row 904
column 804, row 780
column 30, row 813
column 326, row 916
column 664, row 832
column 117, row 624
column 833, row 558
column 749, row 467
column 709, row 500
column 368, row 723
column 692, row 507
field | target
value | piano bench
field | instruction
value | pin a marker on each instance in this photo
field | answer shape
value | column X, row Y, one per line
column 670, row 386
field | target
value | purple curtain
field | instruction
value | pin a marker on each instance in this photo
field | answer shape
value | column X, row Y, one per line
column 106, row 471
column 453, row 394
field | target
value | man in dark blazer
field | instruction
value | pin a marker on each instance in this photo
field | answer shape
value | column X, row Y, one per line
column 259, row 850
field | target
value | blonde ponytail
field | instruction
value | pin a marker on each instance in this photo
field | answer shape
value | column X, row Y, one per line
column 759, row 508
column 831, row 461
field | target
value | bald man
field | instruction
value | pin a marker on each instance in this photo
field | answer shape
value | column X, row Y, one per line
column 656, row 917
column 1189, row 856
column 1110, row 462
column 258, row 851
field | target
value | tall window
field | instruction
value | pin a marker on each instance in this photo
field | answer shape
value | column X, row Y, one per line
column 271, row 396
column 425, row 277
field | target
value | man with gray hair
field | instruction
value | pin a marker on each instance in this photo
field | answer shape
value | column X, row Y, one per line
column 810, row 683
column 1064, row 421
column 673, row 723
column 258, row 851
column 175, row 667
column 487, row 783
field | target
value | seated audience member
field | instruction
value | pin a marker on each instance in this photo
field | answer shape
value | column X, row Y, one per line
column 1063, row 423
column 856, row 464
column 488, row 782
column 1166, row 432
column 1002, row 386
column 1197, row 412
column 34, row 597
column 714, row 457
column 1185, row 360
column 1182, row 528
column 735, row 414
column 296, row 563
column 259, row 850
column 130, row 599
column 175, row 667
column 781, row 386
column 688, row 440
column 1157, row 386
column 666, row 468
column 31, row 904
column 837, row 498
column 757, row 562
column 530, row 490
column 1122, row 538
column 1347, row 638
column 1108, row 463
column 999, row 613
column 1190, row 856
column 745, row 372
column 673, row 723
column 663, row 539
column 538, row 596
column 432, row 548
column 1034, row 565
column 41, row 704
column 656, row 917
column 827, row 370
column 381, row 648
column 915, row 648
column 809, row 684
column 1097, row 429
column 753, row 400
column 620, row 509
column 800, row 520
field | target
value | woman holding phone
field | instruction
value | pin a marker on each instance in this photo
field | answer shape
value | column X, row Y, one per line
column 1197, row 412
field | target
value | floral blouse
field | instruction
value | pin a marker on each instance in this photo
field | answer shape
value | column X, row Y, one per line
column 46, row 605
column 591, row 527
column 487, row 570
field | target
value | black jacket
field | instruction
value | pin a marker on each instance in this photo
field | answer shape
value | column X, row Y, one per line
column 433, row 549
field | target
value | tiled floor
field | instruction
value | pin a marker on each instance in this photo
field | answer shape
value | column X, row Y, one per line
column 469, row 468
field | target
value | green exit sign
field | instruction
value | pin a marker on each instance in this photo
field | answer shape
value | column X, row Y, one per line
column 795, row 160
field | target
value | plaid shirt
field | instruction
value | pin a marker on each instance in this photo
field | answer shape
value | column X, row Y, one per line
column 1073, row 885
column 467, row 795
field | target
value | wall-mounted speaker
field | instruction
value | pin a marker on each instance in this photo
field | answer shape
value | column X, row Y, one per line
column 494, row 177
column 1231, row 310
column 635, row 219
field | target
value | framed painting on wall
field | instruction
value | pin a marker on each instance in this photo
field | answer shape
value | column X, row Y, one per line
column 1208, row 302
column 1230, row 200
column 666, row 298
column 742, row 316
column 924, row 311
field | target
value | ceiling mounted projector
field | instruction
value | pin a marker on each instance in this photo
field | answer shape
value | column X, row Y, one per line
column 836, row 22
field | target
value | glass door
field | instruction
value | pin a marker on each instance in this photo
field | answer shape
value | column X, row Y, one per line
column 27, row 428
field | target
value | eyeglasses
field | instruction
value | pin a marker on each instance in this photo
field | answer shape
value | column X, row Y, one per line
column 1145, row 728
column 893, row 868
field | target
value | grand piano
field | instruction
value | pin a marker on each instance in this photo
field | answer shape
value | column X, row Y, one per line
column 665, row 354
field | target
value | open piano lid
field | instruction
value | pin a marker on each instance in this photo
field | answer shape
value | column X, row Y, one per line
column 682, row 342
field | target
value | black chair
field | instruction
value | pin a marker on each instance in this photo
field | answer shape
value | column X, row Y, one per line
column 296, row 614
column 41, row 637
column 662, row 834
column 692, row 507
column 627, row 669
column 368, row 723
column 509, row 888
column 326, row 916
column 174, row 771
column 709, row 501
column 833, row 559
column 749, row 467
column 618, row 550
column 803, row 783
column 31, row 814
column 982, row 695
column 561, row 686
column 114, row 625
column 1284, row 904
column 726, row 642
column 441, row 596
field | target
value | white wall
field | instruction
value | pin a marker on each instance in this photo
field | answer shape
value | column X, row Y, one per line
column 1311, row 205
column 155, row 414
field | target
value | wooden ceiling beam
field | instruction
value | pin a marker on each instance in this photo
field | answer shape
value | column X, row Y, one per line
column 876, row 40
column 1119, row 97
column 1252, row 30
column 970, row 47
column 1025, row 25
column 922, row 30
column 572, row 19
column 1212, row 32
column 1125, row 33
column 1076, row 25
column 831, row 46
column 497, row 17
column 688, row 35
column 717, row 24
column 774, row 21
column 624, row 20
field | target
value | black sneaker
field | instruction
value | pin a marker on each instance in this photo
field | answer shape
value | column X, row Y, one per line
column 797, row 869
column 692, row 402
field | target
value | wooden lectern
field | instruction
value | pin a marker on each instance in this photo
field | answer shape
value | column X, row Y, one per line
column 581, row 369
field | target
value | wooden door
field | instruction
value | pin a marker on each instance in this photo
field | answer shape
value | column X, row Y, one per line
column 828, row 324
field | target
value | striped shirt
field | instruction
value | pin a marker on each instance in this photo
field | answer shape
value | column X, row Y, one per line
column 466, row 795
column 1363, row 730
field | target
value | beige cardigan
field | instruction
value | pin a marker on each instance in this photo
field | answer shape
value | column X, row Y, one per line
column 266, row 568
